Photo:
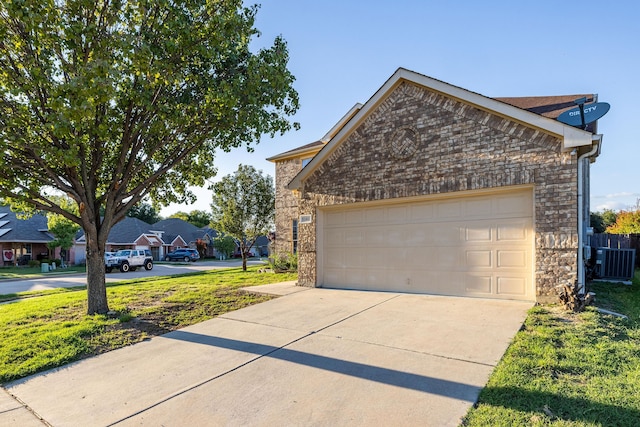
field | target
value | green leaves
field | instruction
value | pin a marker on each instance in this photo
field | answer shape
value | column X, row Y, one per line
column 244, row 205
column 132, row 94
column 111, row 102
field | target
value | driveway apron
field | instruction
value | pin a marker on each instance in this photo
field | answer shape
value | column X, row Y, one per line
column 315, row 357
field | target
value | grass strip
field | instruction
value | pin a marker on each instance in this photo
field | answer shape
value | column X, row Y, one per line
column 52, row 329
column 566, row 369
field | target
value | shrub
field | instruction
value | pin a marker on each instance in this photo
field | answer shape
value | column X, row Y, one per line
column 58, row 262
column 34, row 263
column 284, row 262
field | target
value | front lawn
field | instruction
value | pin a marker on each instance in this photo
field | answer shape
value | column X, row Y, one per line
column 565, row 369
column 38, row 333
column 30, row 272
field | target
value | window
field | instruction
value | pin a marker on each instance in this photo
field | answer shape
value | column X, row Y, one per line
column 28, row 248
column 294, row 235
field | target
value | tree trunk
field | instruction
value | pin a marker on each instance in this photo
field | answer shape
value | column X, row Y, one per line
column 96, row 286
column 244, row 261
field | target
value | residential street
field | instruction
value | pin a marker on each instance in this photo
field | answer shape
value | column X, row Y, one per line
column 58, row 280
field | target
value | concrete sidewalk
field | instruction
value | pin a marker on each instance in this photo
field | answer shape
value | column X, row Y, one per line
column 311, row 357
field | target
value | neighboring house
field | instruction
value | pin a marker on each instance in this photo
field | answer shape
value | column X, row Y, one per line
column 178, row 233
column 160, row 238
column 22, row 240
column 431, row 188
column 130, row 233
column 261, row 247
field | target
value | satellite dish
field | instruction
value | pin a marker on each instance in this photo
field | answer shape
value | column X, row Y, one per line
column 592, row 112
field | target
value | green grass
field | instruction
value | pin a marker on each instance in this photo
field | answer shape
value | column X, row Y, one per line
column 43, row 330
column 30, row 272
column 566, row 369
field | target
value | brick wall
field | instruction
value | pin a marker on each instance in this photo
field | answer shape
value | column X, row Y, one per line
column 286, row 204
column 419, row 142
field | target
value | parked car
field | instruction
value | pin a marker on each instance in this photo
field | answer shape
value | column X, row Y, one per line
column 129, row 260
column 185, row 255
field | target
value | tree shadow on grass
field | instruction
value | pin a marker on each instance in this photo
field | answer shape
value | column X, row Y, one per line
column 560, row 408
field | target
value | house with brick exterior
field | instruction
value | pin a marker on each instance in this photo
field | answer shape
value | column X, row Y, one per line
column 160, row 238
column 431, row 188
column 23, row 239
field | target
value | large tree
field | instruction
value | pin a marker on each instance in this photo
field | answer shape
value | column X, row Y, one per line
column 244, row 207
column 112, row 101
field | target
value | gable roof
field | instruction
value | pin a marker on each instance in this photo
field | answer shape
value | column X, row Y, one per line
column 174, row 227
column 313, row 147
column 571, row 137
column 29, row 230
column 127, row 231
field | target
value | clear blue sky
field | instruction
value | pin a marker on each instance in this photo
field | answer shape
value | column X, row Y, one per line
column 342, row 51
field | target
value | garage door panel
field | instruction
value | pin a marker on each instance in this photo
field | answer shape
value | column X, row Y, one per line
column 512, row 259
column 482, row 208
column 335, row 258
column 449, row 258
column 514, row 205
column 478, row 284
column 449, row 210
column 479, row 259
column 479, row 233
column 476, row 246
column 374, row 216
column 354, row 237
column 514, row 230
column 397, row 215
column 511, row 286
column 421, row 213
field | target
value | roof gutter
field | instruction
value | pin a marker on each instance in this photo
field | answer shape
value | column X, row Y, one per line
column 583, row 226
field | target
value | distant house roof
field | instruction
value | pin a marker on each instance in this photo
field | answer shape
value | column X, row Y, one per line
column 29, row 230
column 128, row 230
column 262, row 241
column 125, row 232
column 174, row 227
column 171, row 231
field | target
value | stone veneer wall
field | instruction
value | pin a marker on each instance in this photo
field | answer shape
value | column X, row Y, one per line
column 286, row 204
column 419, row 142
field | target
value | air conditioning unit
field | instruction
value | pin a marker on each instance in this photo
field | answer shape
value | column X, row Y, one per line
column 615, row 264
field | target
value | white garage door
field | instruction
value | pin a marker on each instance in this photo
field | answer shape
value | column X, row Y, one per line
column 470, row 246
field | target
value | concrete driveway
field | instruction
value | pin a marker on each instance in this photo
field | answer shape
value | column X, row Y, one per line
column 318, row 357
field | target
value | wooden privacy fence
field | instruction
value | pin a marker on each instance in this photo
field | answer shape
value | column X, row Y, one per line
column 617, row 241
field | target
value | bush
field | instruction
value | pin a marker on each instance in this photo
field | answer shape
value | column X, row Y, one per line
column 34, row 263
column 58, row 262
column 286, row 262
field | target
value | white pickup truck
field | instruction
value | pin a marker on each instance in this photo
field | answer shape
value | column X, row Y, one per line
column 129, row 260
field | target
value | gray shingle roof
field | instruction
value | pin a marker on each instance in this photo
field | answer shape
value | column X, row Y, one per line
column 128, row 230
column 174, row 227
column 30, row 230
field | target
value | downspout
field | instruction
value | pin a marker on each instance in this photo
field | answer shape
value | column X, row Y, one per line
column 582, row 229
